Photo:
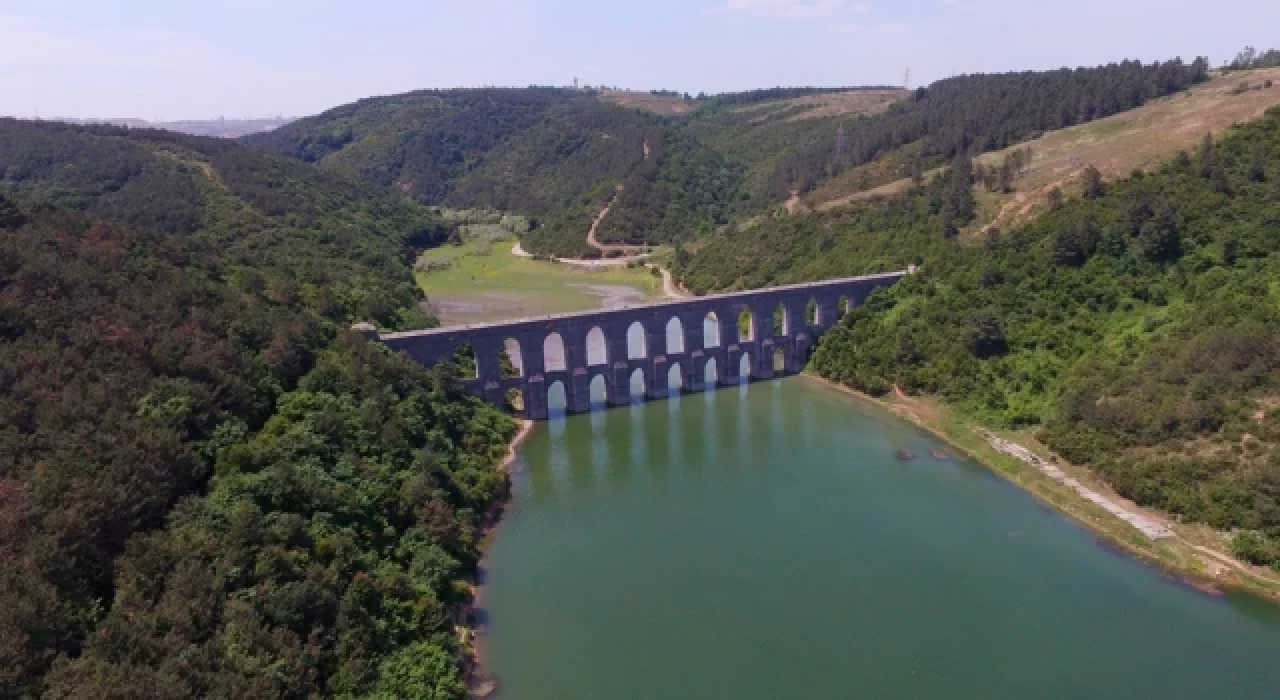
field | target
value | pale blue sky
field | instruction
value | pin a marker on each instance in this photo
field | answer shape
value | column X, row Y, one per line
column 238, row 58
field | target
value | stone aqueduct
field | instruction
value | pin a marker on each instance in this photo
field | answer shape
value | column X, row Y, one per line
column 664, row 343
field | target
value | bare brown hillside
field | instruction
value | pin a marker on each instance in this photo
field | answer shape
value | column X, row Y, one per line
column 658, row 104
column 1116, row 145
column 832, row 104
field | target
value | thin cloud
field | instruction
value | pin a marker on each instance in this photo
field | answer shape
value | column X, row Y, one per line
column 786, row 9
column 882, row 28
column 860, row 8
column 38, row 41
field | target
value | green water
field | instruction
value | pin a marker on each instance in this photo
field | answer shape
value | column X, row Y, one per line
column 765, row 543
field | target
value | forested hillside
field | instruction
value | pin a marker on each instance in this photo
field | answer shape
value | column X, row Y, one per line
column 562, row 155
column 207, row 487
column 557, row 155
column 337, row 243
column 973, row 114
column 1137, row 327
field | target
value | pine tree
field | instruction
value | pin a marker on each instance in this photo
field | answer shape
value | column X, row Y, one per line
column 1055, row 199
column 10, row 216
column 959, row 194
column 1091, row 183
column 1258, row 166
column 1207, row 157
column 1004, row 178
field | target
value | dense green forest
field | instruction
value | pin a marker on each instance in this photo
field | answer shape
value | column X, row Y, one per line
column 556, row 155
column 1136, row 328
column 560, row 155
column 207, row 487
column 337, row 243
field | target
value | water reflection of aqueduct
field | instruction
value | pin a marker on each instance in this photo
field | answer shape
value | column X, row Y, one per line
column 577, row 360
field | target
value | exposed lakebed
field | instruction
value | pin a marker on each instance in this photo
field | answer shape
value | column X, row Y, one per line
column 765, row 542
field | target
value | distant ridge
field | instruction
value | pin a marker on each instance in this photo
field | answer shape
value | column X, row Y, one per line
column 221, row 128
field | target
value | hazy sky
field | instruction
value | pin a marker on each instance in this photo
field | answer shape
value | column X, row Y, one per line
column 238, row 58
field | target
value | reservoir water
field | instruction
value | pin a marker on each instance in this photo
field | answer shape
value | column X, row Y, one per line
column 764, row 542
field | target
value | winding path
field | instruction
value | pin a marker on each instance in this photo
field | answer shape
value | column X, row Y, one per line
column 631, row 253
column 670, row 289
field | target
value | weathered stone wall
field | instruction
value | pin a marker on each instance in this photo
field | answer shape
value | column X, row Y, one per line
column 796, row 341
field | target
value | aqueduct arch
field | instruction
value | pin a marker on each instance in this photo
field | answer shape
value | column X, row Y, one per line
column 628, row 348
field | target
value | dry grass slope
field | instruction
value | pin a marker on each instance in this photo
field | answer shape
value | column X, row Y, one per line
column 1137, row 139
column 658, row 104
column 834, row 104
column 1116, row 145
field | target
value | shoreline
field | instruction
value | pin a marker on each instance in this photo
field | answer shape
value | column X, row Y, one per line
column 1186, row 561
column 526, row 427
column 479, row 683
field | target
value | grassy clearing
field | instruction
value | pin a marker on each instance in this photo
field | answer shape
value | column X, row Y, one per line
column 1197, row 553
column 481, row 280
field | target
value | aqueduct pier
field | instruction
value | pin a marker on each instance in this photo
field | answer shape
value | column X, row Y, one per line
column 646, row 352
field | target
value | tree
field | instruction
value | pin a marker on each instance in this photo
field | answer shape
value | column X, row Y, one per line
column 1158, row 238
column 10, row 216
column 959, row 195
column 949, row 227
column 1073, row 245
column 916, row 172
column 1004, row 178
column 992, row 240
column 1258, row 166
column 1207, row 157
column 1056, row 199
column 1091, row 183
column 419, row 672
column 986, row 336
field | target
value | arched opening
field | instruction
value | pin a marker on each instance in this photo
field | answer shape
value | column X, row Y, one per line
column 779, row 360
column 637, row 348
column 842, row 305
column 511, row 361
column 744, row 368
column 780, row 320
column 598, row 392
column 636, row 385
column 675, row 379
column 675, row 336
column 811, row 317
column 711, row 330
column 557, row 400
column 553, row 353
column 465, row 358
column 711, row 373
column 597, row 354
column 746, row 325
column 515, row 400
